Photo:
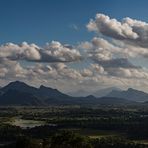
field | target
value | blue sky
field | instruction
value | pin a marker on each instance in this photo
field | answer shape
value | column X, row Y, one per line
column 41, row 21
column 111, row 50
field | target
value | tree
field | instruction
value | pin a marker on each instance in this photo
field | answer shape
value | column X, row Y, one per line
column 67, row 139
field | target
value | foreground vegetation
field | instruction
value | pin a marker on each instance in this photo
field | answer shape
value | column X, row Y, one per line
column 75, row 127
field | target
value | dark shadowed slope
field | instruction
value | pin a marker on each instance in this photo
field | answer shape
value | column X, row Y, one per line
column 14, row 97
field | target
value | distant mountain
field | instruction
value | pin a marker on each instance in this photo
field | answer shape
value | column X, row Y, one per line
column 105, row 91
column 19, row 86
column 98, row 93
column 79, row 93
column 130, row 94
column 19, row 93
column 90, row 100
column 114, row 101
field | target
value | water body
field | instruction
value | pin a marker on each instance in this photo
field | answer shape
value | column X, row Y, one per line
column 23, row 123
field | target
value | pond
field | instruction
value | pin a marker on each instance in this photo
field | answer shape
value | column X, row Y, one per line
column 23, row 123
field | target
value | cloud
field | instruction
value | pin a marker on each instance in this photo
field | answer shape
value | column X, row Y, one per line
column 74, row 26
column 112, row 27
column 11, row 69
column 104, row 61
column 139, row 27
column 52, row 52
column 86, row 73
column 97, row 69
column 56, row 52
column 118, row 62
column 128, row 73
column 129, row 30
column 23, row 51
column 106, row 49
column 101, row 55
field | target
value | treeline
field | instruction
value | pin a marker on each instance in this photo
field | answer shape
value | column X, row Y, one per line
column 67, row 139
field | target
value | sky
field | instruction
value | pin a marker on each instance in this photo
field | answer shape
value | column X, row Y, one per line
column 75, row 45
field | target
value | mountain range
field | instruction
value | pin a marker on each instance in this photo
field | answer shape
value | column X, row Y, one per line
column 19, row 93
column 130, row 94
column 98, row 93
